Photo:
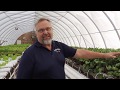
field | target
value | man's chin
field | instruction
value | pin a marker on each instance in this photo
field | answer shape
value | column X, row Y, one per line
column 47, row 42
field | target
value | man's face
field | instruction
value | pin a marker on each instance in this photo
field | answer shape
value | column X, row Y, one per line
column 44, row 32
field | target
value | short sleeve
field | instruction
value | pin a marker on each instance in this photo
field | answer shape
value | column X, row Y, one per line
column 25, row 66
column 67, row 50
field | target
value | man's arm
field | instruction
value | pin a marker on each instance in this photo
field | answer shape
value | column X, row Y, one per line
column 86, row 54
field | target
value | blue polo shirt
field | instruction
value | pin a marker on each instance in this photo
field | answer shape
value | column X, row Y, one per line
column 37, row 62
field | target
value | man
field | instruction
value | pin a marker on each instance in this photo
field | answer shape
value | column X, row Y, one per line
column 46, row 58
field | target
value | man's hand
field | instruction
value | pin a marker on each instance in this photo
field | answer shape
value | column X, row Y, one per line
column 112, row 55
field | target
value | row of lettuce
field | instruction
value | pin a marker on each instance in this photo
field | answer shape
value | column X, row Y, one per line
column 11, row 52
column 98, row 68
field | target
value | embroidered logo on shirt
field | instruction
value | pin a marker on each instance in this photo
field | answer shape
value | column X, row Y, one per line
column 57, row 50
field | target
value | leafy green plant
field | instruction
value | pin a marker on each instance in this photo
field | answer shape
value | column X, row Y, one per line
column 110, row 67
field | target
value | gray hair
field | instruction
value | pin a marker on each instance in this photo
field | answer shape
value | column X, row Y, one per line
column 40, row 20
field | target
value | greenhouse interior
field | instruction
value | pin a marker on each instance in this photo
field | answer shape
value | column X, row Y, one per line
column 97, row 32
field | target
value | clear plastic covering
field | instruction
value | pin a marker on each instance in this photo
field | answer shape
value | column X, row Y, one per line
column 93, row 29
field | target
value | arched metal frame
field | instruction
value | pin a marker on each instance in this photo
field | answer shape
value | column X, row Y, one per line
column 25, row 20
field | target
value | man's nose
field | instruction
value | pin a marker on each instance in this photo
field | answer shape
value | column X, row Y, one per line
column 45, row 31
